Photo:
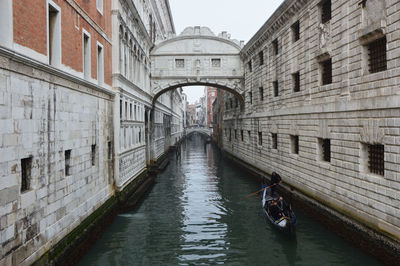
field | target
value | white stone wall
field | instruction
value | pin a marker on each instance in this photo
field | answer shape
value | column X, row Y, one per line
column 358, row 108
column 41, row 118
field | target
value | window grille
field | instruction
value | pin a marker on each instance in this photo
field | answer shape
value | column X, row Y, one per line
column 377, row 55
column 93, row 155
column 326, row 150
column 231, row 103
column 261, row 57
column 296, row 31
column 67, row 157
column 376, row 159
column 179, row 63
column 216, row 62
column 326, row 11
column 275, row 45
column 276, row 88
column 259, row 138
column 274, row 141
column 26, row 166
column 326, row 71
column 261, row 90
column 250, row 66
column 296, row 82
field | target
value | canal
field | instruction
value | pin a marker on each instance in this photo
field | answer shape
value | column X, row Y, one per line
column 195, row 214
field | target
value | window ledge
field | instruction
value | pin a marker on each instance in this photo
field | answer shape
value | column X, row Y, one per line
column 372, row 32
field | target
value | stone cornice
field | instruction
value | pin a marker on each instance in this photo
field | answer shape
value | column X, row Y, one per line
column 54, row 72
column 280, row 17
column 89, row 20
column 138, row 20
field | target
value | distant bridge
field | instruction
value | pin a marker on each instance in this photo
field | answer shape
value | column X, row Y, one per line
column 200, row 130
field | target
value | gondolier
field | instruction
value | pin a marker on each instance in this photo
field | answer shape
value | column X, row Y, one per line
column 275, row 181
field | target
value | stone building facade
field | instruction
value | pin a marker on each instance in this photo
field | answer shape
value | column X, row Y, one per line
column 322, row 107
column 75, row 114
column 56, row 134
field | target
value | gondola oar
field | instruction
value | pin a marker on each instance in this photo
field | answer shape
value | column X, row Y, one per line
column 255, row 193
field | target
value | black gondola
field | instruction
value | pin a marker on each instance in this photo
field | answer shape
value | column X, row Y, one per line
column 286, row 221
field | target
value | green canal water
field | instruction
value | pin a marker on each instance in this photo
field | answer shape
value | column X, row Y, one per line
column 195, row 214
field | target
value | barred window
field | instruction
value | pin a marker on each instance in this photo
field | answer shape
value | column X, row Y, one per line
column 276, row 88
column 93, row 155
column 236, row 102
column 377, row 55
column 261, row 57
column 296, row 31
column 179, row 63
column 261, row 91
column 216, row 62
column 231, row 103
column 230, row 134
column 259, row 138
column 325, row 147
column 241, row 135
column 274, row 141
column 295, row 144
column 275, row 46
column 296, row 81
column 235, row 134
column 376, row 159
column 251, row 97
column 326, row 69
column 67, row 158
column 26, row 166
column 250, row 66
column 326, row 11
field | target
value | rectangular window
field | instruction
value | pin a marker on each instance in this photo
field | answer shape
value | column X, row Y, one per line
column 230, row 134
column 326, row 11
column 54, row 31
column 86, row 56
column 249, row 135
column 99, row 4
column 296, row 81
column 26, row 167
column 376, row 159
column 231, row 103
column 93, row 155
column 251, row 97
column 216, row 62
column 235, row 134
column 275, row 46
column 377, row 55
column 296, row 31
column 110, row 153
column 261, row 57
column 259, row 138
column 250, row 66
column 325, row 149
column 179, row 63
column 126, row 111
column 326, row 71
column 261, row 92
column 67, row 158
column 274, row 141
column 130, row 112
column 294, row 140
column 276, row 88
column 241, row 135
column 236, row 102
column 100, row 65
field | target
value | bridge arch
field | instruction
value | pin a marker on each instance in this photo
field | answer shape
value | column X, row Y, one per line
column 197, row 57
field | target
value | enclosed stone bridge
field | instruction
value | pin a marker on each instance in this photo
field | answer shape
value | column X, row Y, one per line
column 197, row 57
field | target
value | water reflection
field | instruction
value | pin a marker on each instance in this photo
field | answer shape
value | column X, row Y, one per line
column 196, row 215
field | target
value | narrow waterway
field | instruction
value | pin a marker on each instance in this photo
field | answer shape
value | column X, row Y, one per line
column 196, row 215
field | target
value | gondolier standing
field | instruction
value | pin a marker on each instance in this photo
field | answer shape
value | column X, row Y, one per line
column 275, row 181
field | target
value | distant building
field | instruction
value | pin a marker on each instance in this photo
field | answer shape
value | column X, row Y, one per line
column 211, row 95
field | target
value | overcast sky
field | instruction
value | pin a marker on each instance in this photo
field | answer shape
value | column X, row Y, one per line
column 241, row 18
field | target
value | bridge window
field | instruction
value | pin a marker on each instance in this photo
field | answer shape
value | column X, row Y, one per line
column 216, row 62
column 274, row 141
column 179, row 63
column 377, row 55
column 294, row 140
column 261, row 57
column 261, row 92
column 326, row 11
column 324, row 149
column 326, row 71
column 296, row 81
column 276, row 88
column 275, row 46
column 296, row 31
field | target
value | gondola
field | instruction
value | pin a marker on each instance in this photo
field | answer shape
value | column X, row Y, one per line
column 286, row 224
